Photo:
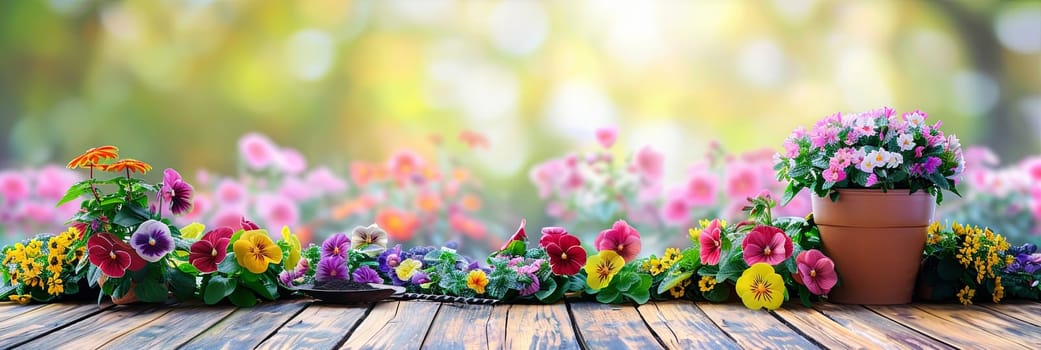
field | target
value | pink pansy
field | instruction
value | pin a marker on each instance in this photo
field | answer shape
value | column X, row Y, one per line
column 650, row 164
column 766, row 244
column 711, row 243
column 871, row 180
column 13, row 186
column 701, row 189
column 277, row 211
column 815, row 271
column 676, row 210
column 833, row 174
column 230, row 193
column 621, row 238
column 607, row 136
column 258, row 151
column 293, row 162
column 742, row 180
column 548, row 234
column 323, row 179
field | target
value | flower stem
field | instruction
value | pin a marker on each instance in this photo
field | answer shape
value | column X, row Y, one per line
column 92, row 188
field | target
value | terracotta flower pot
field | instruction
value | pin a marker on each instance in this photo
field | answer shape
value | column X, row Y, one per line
column 129, row 298
column 876, row 241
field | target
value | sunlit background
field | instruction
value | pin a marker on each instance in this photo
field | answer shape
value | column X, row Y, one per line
column 178, row 83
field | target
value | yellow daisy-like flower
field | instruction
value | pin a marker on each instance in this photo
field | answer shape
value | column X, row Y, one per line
column 707, row 283
column 694, row 234
column 934, row 228
column 193, row 231
column 602, row 267
column 965, row 295
column 760, row 287
column 254, row 250
column 653, row 266
column 476, row 280
column 999, row 290
column 294, row 247
column 55, row 286
column 54, row 263
column 680, row 289
column 672, row 255
column 21, row 299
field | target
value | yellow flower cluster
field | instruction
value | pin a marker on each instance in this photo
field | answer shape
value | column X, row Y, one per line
column 656, row 266
column 680, row 289
column 965, row 295
column 40, row 263
column 934, row 236
column 978, row 250
column 707, row 283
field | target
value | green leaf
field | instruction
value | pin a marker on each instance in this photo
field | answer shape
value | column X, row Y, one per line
column 949, row 269
column 550, row 290
column 718, row 294
column 624, row 280
column 609, row 296
column 130, row 215
column 732, row 267
column 264, row 286
column 672, row 280
column 189, row 269
column 242, row 297
column 151, row 291
column 182, row 284
column 230, row 265
column 93, row 274
column 75, row 191
column 641, row 293
column 218, row 288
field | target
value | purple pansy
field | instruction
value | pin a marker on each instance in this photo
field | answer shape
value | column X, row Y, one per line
column 390, row 259
column 177, row 192
column 331, row 268
column 337, row 245
column 152, row 240
column 366, row 274
column 420, row 277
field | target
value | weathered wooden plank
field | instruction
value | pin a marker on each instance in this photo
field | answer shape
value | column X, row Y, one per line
column 603, row 326
column 953, row 333
column 682, row 325
column 99, row 329
column 172, row 329
column 1026, row 311
column 877, row 329
column 319, row 326
column 44, row 320
column 394, row 325
column 461, row 326
column 540, row 327
column 823, row 330
column 10, row 310
column 245, row 328
column 754, row 329
column 979, row 317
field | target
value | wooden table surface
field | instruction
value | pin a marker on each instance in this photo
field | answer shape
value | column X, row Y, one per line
column 401, row 325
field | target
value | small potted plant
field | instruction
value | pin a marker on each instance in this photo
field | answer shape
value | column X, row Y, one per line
column 877, row 177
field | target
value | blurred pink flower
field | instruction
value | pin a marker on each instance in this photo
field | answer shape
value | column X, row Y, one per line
column 467, row 226
column 296, row 189
column 649, row 164
column 742, row 180
column 362, row 173
column 258, row 150
column 799, row 206
column 701, row 189
column 277, row 211
column 14, row 187
column 323, row 179
column 676, row 210
column 293, row 162
column 52, row 182
column 37, row 212
column 1032, row 166
column 573, row 181
column 403, row 164
column 621, row 238
column 203, row 178
column 544, row 176
column 978, row 158
column 607, row 136
column 231, row 193
column 227, row 217
column 203, row 204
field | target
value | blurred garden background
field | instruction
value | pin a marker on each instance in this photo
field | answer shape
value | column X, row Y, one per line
column 452, row 120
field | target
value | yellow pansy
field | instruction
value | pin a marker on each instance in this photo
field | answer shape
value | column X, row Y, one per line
column 760, row 287
column 294, row 247
column 193, row 231
column 602, row 267
column 407, row 268
column 254, row 250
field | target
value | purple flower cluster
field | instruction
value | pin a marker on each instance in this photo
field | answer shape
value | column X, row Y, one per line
column 1027, row 260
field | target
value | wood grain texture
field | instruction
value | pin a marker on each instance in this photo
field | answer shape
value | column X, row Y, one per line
column 1026, row 311
column 824, row 330
column 754, row 329
column 876, row 328
column 974, row 316
column 173, row 329
column 394, row 325
column 319, row 326
column 605, row 326
column 462, row 326
column 43, row 320
column 682, row 325
column 953, row 333
column 98, row 330
column 246, row 328
column 540, row 327
column 10, row 310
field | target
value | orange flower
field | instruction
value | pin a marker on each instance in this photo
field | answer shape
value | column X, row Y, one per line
column 131, row 165
column 428, row 202
column 91, row 157
column 473, row 139
column 399, row 224
column 471, row 203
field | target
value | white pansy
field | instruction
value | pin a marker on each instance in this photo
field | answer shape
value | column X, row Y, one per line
column 895, row 159
column 905, row 141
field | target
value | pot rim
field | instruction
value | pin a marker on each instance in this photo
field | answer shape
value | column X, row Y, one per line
column 878, row 192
